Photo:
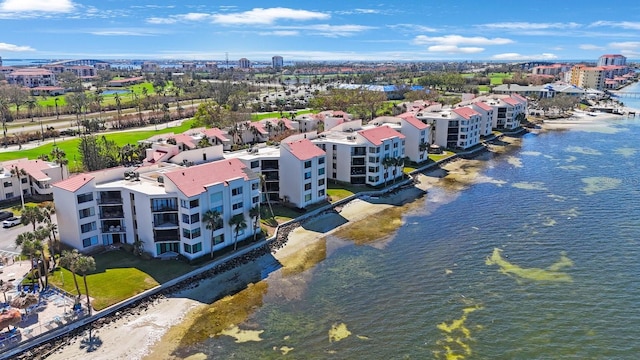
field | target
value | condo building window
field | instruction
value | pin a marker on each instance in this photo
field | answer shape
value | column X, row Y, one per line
column 307, row 186
column 236, row 191
column 255, row 164
column 321, row 171
column 86, row 212
column 321, row 160
column 307, row 198
column 321, row 193
column 255, row 199
column 85, row 228
column 191, row 234
column 90, row 241
column 83, row 198
column 255, row 186
column 215, row 197
column 237, row 206
column 307, row 175
column 321, row 182
column 193, row 249
column 307, row 164
column 218, row 239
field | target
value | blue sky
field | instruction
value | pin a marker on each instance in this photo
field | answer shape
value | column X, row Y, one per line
column 319, row 30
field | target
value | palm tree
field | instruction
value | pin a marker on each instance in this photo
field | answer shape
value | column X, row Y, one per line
column 234, row 132
column 31, row 105
column 423, row 147
column 20, row 173
column 204, row 142
column 263, row 183
column 69, row 260
column 85, row 265
column 254, row 213
column 40, row 234
column 59, row 157
column 48, row 209
column 255, row 132
column 397, row 163
column 213, row 221
column 31, row 215
column 238, row 222
column 57, row 112
column 30, row 246
column 269, row 126
column 386, row 164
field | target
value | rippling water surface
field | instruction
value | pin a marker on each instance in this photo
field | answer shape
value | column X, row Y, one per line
column 541, row 264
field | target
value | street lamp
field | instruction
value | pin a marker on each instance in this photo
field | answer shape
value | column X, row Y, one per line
column 57, row 112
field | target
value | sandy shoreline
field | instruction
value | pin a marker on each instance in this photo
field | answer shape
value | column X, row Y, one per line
column 140, row 335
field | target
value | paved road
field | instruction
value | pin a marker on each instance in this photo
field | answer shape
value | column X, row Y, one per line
column 8, row 238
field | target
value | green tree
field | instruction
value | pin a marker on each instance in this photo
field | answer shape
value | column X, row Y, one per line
column 85, row 265
column 69, row 260
column 20, row 173
column 254, row 213
column 59, row 157
column 31, row 247
column 239, row 223
column 213, row 221
column 387, row 162
column 31, row 215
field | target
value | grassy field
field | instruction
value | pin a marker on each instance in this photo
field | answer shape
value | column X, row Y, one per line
column 497, row 78
column 132, row 274
column 276, row 114
column 70, row 146
column 50, row 101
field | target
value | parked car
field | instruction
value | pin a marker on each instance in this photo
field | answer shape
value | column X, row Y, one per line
column 10, row 222
column 5, row 215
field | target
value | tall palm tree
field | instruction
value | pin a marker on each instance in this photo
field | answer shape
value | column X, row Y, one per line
column 48, row 209
column 19, row 173
column 254, row 213
column 31, row 215
column 263, row 184
column 238, row 222
column 41, row 234
column 31, row 105
column 213, row 221
column 204, row 142
column 255, row 132
column 85, row 265
column 69, row 260
column 59, row 157
column 30, row 246
column 397, row 163
column 423, row 147
column 387, row 162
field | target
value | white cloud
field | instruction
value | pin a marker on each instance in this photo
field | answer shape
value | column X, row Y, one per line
column 590, row 47
column 195, row 17
column 56, row 6
column 280, row 33
column 125, row 32
column 459, row 40
column 453, row 49
column 156, row 20
column 530, row 26
column 626, row 46
column 180, row 18
column 267, row 16
column 328, row 30
column 629, row 25
column 516, row 56
column 14, row 48
column 412, row 28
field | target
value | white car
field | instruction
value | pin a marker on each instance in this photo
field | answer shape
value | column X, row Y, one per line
column 10, row 222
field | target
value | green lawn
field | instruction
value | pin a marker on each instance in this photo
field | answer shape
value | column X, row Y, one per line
column 497, row 78
column 71, row 146
column 438, row 157
column 119, row 275
column 50, row 101
column 340, row 191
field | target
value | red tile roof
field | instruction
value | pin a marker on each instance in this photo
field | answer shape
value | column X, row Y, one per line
column 32, row 167
column 511, row 101
column 412, row 120
column 466, row 112
column 519, row 97
column 193, row 180
column 483, row 106
column 260, row 128
column 73, row 184
column 217, row 133
column 303, row 149
column 378, row 134
column 186, row 140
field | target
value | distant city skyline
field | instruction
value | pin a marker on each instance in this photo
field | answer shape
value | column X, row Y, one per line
column 352, row 30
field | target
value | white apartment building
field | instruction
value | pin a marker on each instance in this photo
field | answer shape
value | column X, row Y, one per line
column 356, row 155
column 612, row 59
column 31, row 77
column 486, row 120
column 415, row 132
column 454, row 129
column 303, row 173
column 37, row 181
column 265, row 161
column 277, row 62
column 161, row 205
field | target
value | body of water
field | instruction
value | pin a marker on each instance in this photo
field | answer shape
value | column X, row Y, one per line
column 537, row 261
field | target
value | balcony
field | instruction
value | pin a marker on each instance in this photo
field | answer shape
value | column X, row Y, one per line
column 164, row 208
column 111, row 215
column 113, row 229
column 165, row 221
column 358, row 170
column 106, row 200
column 166, row 235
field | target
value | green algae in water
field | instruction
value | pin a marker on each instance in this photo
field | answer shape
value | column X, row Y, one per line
column 600, row 183
column 240, row 335
column 550, row 274
column 374, row 227
column 223, row 314
column 338, row 332
column 305, row 259
column 457, row 335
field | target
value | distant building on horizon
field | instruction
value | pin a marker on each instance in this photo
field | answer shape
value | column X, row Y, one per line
column 244, row 63
column 612, row 59
column 277, row 62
